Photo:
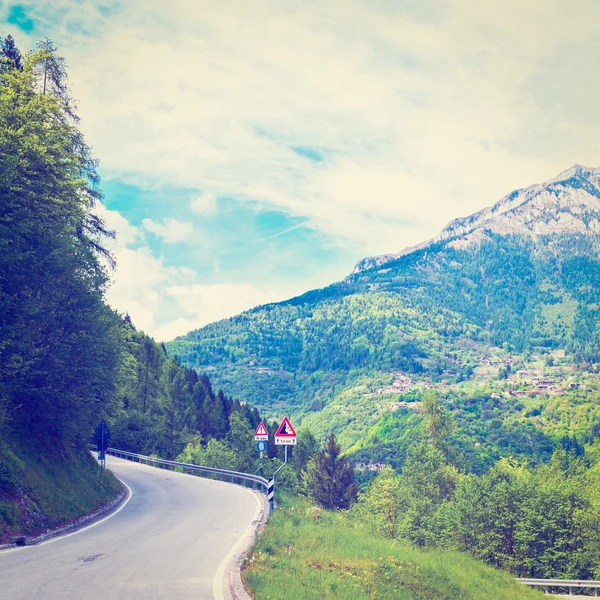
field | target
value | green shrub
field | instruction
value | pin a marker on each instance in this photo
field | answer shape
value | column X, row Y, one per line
column 10, row 467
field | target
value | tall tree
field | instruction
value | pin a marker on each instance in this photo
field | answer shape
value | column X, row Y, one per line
column 60, row 343
column 329, row 478
column 437, row 420
column 10, row 53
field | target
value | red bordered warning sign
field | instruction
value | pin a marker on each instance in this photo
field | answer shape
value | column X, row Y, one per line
column 261, row 433
column 286, row 434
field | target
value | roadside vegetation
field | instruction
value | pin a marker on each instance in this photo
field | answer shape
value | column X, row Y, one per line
column 308, row 553
column 49, row 489
column 427, row 529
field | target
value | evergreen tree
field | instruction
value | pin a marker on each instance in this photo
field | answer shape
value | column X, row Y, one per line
column 60, row 347
column 329, row 478
column 10, row 54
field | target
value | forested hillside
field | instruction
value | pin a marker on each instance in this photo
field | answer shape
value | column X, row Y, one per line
column 59, row 342
column 425, row 312
column 484, row 314
column 164, row 406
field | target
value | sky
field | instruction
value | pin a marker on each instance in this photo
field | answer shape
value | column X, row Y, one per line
column 254, row 150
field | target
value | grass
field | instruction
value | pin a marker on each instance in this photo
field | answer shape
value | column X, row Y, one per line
column 51, row 489
column 307, row 554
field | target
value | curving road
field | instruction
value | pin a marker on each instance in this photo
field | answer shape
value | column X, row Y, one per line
column 172, row 541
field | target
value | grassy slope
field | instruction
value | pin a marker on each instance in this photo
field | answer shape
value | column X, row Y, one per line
column 51, row 489
column 307, row 554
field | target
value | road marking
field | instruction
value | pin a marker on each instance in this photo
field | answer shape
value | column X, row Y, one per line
column 66, row 535
column 218, row 581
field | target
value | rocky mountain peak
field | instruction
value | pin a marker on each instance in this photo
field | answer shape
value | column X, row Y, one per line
column 568, row 203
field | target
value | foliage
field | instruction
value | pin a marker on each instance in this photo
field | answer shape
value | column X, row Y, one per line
column 437, row 421
column 10, row 56
column 329, row 478
column 329, row 555
column 379, row 506
column 537, row 521
column 59, row 342
column 165, row 406
column 306, row 448
column 50, row 489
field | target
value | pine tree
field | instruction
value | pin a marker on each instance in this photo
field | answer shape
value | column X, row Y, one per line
column 329, row 478
column 60, row 348
column 10, row 53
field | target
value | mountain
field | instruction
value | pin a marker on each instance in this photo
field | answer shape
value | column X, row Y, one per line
column 514, row 287
column 568, row 203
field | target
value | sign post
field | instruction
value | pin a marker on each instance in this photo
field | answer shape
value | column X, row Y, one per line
column 271, row 494
column 284, row 436
column 102, row 437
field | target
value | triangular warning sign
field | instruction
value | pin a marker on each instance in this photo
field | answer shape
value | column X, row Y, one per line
column 285, row 429
column 261, row 431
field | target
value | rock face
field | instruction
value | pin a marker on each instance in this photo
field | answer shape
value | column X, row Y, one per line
column 567, row 204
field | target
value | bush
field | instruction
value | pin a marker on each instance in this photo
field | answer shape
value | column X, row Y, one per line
column 10, row 467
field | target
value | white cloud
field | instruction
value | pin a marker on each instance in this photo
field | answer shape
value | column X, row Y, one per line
column 421, row 114
column 204, row 303
column 166, row 301
column 171, row 230
column 126, row 233
column 205, row 203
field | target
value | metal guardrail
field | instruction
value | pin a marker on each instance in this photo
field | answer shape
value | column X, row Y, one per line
column 571, row 584
column 149, row 460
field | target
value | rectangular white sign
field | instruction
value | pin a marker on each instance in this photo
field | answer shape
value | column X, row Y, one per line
column 285, row 441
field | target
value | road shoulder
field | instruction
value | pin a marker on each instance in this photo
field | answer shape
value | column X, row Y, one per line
column 234, row 588
column 85, row 522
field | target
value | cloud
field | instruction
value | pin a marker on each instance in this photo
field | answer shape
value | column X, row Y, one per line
column 171, row 231
column 206, row 303
column 167, row 301
column 417, row 114
column 205, row 203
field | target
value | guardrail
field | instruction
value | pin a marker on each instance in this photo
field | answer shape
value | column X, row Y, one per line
column 161, row 463
column 571, row 584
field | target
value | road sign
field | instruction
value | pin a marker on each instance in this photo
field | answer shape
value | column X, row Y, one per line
column 261, row 445
column 102, row 436
column 261, row 433
column 286, row 434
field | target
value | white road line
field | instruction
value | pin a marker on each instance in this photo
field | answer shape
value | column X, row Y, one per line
column 62, row 537
column 219, row 580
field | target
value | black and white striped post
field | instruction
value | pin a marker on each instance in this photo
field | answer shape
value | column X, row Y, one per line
column 271, row 495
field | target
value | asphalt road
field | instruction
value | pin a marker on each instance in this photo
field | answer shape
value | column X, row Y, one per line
column 171, row 541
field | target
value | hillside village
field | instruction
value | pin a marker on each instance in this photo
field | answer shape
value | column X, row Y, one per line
column 542, row 375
